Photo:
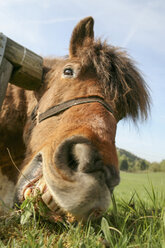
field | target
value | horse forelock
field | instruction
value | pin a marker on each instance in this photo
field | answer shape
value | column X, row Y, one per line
column 119, row 79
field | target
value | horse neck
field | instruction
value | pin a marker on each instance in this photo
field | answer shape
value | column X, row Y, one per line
column 17, row 105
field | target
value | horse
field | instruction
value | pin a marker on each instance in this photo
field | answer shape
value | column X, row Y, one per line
column 61, row 137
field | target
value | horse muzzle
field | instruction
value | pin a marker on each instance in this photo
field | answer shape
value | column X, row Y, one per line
column 72, row 178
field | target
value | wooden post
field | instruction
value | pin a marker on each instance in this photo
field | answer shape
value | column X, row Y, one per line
column 28, row 66
column 19, row 66
column 6, row 69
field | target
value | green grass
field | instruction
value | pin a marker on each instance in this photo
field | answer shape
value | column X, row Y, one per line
column 137, row 182
column 136, row 219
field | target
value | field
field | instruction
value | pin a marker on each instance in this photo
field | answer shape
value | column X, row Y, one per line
column 131, row 182
column 136, row 219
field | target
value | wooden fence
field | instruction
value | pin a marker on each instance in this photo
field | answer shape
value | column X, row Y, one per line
column 19, row 66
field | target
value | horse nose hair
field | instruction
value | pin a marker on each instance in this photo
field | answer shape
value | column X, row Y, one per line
column 78, row 154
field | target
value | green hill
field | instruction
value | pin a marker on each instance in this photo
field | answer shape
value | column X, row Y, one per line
column 129, row 155
column 130, row 162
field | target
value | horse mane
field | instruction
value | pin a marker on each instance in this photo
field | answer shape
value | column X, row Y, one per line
column 119, row 78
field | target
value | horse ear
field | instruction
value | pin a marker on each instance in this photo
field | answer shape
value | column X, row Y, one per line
column 82, row 35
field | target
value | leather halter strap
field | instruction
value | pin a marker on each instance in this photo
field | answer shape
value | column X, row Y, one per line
column 57, row 109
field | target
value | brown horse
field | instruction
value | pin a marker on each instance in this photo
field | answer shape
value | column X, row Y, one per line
column 63, row 135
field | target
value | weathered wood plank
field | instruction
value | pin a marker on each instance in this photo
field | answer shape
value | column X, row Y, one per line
column 28, row 66
column 19, row 66
column 5, row 73
column 3, row 41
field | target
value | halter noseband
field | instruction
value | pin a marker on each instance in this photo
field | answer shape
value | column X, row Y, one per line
column 57, row 109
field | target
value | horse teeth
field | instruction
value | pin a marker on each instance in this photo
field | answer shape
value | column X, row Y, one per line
column 50, row 202
column 41, row 186
column 52, row 205
column 27, row 192
column 47, row 198
column 45, row 195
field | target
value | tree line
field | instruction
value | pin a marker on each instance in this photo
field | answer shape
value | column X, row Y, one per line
column 131, row 163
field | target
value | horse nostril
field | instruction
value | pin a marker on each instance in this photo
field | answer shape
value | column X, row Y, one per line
column 88, row 158
column 64, row 157
column 77, row 154
column 71, row 160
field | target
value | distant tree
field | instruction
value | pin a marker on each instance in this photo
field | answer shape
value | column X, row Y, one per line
column 155, row 167
column 124, row 165
column 162, row 165
column 162, row 162
column 143, row 165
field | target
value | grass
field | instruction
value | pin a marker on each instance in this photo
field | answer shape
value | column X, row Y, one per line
column 136, row 219
column 131, row 182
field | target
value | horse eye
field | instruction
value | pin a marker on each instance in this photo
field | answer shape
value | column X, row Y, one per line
column 68, row 72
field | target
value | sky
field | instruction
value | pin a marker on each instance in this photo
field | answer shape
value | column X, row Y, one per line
column 138, row 26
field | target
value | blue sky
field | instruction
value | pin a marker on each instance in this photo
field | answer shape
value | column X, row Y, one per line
column 45, row 27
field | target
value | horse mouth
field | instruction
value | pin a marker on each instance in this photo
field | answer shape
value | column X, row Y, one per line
column 39, row 187
column 56, row 212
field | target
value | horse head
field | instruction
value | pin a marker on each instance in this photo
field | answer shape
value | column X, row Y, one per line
column 70, row 134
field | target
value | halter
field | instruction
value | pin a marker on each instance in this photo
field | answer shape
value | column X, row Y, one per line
column 59, row 108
